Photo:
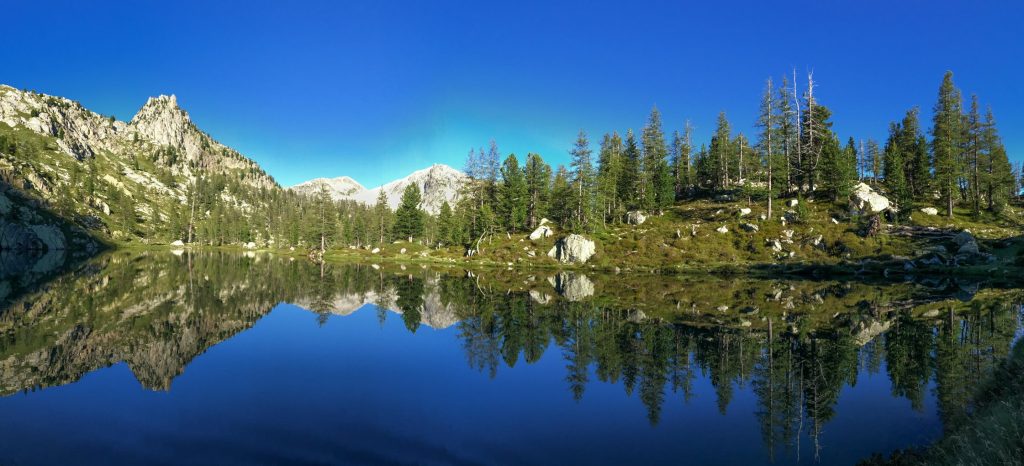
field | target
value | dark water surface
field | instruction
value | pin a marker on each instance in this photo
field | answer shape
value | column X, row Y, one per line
column 159, row 358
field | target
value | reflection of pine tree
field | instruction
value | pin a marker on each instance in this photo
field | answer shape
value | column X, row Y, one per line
column 908, row 346
column 410, row 300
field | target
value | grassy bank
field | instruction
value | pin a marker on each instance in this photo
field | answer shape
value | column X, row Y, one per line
column 992, row 435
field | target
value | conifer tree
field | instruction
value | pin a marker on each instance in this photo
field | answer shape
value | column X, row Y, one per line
column 629, row 183
column 558, row 210
column 583, row 183
column 538, row 185
column 382, row 217
column 766, row 121
column 445, row 225
column 945, row 140
column 610, row 165
column 895, row 178
column 720, row 153
column 655, row 179
column 408, row 216
column 512, row 198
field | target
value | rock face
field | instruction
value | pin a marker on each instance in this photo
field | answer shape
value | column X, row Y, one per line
column 573, row 249
column 438, row 184
column 866, row 201
column 635, row 217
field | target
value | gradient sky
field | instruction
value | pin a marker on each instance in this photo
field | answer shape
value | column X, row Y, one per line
column 377, row 89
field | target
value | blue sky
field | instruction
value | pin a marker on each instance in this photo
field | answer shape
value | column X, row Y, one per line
column 376, row 90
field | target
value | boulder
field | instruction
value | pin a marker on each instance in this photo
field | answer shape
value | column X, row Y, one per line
column 401, row 251
column 970, row 247
column 749, row 227
column 866, row 201
column 775, row 244
column 375, row 251
column 744, row 211
column 15, row 237
column 964, row 237
column 635, row 217
column 792, row 203
column 178, row 243
column 543, row 231
column 250, row 245
column 573, row 248
column 722, row 229
column 930, row 211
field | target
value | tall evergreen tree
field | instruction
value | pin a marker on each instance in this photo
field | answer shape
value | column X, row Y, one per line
column 894, row 174
column 512, row 197
column 630, row 181
column 609, row 172
column 583, row 183
column 720, row 153
column 766, row 144
column 408, row 216
column 656, row 190
column 538, row 185
column 946, row 134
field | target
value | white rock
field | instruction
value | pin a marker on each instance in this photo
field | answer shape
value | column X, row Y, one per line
column 792, row 202
column 543, row 231
column 722, row 229
column 835, row 221
column 866, row 201
column 401, row 251
column 930, row 211
column 374, row 250
column 250, row 245
column 745, row 211
column 750, row 227
column 178, row 243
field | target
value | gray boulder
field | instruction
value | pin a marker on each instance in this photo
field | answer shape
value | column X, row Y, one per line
column 573, row 248
column 635, row 217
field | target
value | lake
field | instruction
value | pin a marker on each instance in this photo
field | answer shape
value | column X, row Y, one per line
column 217, row 358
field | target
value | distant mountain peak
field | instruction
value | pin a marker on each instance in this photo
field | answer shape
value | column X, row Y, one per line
column 439, row 183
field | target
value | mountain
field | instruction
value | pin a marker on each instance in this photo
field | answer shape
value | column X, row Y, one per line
column 70, row 169
column 340, row 188
column 438, row 183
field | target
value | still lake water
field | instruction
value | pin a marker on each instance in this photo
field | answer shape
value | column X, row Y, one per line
column 158, row 358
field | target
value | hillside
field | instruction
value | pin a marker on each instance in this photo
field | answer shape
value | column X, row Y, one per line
column 116, row 180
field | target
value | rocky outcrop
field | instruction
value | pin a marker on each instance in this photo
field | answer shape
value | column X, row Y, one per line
column 864, row 200
column 573, row 249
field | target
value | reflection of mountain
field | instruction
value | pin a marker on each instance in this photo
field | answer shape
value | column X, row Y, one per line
column 797, row 344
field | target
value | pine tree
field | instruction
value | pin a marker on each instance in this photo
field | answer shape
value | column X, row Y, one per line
column 408, row 216
column 766, row 145
column 382, row 217
column 945, row 141
column 788, row 134
column 895, row 178
column 655, row 178
column 538, row 185
column 583, row 183
column 609, row 171
column 720, row 153
column 630, row 181
column 445, row 225
column 512, row 197
column 559, row 211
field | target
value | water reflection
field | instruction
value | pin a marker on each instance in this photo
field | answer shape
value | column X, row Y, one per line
column 795, row 345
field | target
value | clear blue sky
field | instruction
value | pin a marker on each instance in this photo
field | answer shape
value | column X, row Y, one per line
column 375, row 89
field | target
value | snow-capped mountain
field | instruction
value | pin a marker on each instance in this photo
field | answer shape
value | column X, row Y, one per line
column 438, row 183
